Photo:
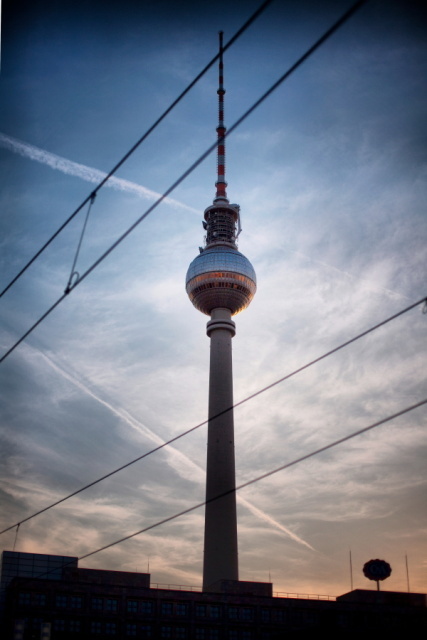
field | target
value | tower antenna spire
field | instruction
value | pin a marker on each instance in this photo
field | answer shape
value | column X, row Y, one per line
column 221, row 130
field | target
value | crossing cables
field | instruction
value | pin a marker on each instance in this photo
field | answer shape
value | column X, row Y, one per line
column 238, row 404
column 186, row 173
column 137, row 144
column 287, row 465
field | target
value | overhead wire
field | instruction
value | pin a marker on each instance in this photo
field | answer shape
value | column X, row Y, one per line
column 195, row 164
column 73, row 272
column 237, row 404
column 117, row 166
column 287, row 465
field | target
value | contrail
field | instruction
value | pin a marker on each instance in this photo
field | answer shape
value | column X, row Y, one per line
column 264, row 516
column 85, row 173
column 179, row 461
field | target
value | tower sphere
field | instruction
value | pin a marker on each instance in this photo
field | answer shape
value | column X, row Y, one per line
column 220, row 276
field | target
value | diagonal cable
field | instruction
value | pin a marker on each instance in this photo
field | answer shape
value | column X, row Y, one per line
column 238, row 33
column 73, row 272
column 261, row 477
column 186, row 173
column 238, row 404
column 287, row 465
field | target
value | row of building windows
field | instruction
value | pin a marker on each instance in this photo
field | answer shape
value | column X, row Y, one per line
column 175, row 609
column 147, row 608
column 36, row 599
column 40, row 600
column 166, row 631
column 93, row 629
column 144, row 607
column 212, row 611
column 220, row 285
column 63, row 601
column 104, row 604
column 226, row 284
column 72, row 626
column 225, row 275
column 107, row 628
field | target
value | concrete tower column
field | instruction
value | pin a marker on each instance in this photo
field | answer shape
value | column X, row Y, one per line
column 221, row 554
column 220, row 282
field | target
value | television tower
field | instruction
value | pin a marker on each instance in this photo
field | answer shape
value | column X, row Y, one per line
column 220, row 282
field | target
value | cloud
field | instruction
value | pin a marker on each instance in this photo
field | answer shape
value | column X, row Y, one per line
column 85, row 173
column 330, row 176
column 182, row 464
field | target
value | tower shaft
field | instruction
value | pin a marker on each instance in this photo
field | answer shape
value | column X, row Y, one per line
column 221, row 552
column 220, row 282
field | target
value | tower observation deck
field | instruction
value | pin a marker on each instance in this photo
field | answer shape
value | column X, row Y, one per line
column 220, row 282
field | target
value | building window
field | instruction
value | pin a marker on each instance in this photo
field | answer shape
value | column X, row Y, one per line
column 75, row 626
column 265, row 615
column 37, row 624
column 76, row 602
column 342, row 620
column 233, row 613
column 181, row 609
column 147, row 608
column 246, row 634
column 166, row 632
column 180, row 632
column 146, row 631
column 111, row 604
column 311, row 618
column 40, row 599
column 24, row 598
column 131, row 629
column 214, row 634
column 233, row 634
column 215, row 611
column 166, row 608
column 97, row 604
column 59, row 625
column 246, row 614
column 201, row 610
column 61, row 601
column 95, row 627
column 279, row 615
column 200, row 633
column 132, row 606
column 298, row 617
column 110, row 628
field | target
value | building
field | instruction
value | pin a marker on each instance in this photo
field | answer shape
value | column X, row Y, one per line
column 67, row 602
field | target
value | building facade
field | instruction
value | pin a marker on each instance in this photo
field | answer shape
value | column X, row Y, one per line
column 73, row 603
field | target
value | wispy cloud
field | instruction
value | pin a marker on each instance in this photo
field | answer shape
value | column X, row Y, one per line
column 85, row 173
column 179, row 461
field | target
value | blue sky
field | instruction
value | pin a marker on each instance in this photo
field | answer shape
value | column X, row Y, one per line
column 330, row 175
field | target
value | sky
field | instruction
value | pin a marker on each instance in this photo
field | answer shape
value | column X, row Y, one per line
column 330, row 174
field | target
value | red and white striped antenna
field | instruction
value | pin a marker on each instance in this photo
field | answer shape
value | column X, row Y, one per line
column 221, row 218
column 221, row 183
